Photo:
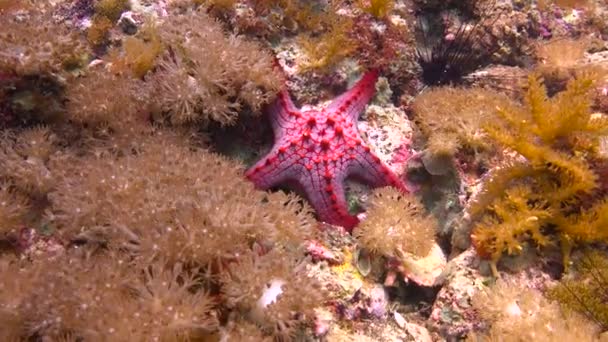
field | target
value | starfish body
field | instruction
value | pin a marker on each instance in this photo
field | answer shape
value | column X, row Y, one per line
column 316, row 150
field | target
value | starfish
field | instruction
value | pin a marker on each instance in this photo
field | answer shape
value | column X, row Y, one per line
column 316, row 150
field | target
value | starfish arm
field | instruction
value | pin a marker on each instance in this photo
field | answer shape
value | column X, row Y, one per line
column 329, row 201
column 281, row 113
column 281, row 165
column 368, row 168
column 354, row 100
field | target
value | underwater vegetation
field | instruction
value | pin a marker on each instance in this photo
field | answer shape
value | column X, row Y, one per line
column 396, row 224
column 152, row 237
column 583, row 290
column 452, row 119
column 546, row 196
column 131, row 209
column 515, row 314
column 99, row 197
column 377, row 8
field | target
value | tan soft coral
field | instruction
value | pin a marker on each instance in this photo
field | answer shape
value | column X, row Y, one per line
column 37, row 44
column 272, row 291
column 155, row 234
column 109, row 298
column 209, row 76
column 514, row 313
column 14, row 208
column 24, row 158
column 452, row 120
column 101, row 98
column 193, row 205
column 396, row 223
column 561, row 59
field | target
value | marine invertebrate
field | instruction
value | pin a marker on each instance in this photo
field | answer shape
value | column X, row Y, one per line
column 38, row 44
column 106, row 103
column 138, row 53
column 141, row 52
column 562, row 53
column 396, row 223
column 24, row 161
column 147, row 264
column 318, row 149
column 110, row 298
column 14, row 208
column 270, row 18
column 107, row 12
column 125, row 202
column 111, row 9
column 326, row 50
column 98, row 32
column 542, row 191
column 377, row 8
column 585, row 288
column 197, row 82
column 273, row 292
column 514, row 313
column 446, row 53
column 453, row 118
column 372, row 42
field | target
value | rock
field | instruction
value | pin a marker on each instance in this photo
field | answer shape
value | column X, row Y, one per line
column 378, row 302
column 418, row 332
column 452, row 314
column 425, row 271
column 127, row 23
column 401, row 322
column 437, row 164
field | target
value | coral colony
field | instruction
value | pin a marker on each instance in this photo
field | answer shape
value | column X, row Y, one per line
column 318, row 149
column 158, row 181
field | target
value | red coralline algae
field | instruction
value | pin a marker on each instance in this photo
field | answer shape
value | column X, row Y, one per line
column 316, row 150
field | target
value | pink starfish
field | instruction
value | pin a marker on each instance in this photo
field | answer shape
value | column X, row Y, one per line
column 316, row 150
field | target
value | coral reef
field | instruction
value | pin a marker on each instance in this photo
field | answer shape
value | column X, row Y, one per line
column 121, row 204
column 37, row 45
column 129, row 129
column 111, row 197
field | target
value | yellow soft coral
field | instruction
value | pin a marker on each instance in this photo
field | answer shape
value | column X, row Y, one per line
column 377, row 8
column 543, row 187
column 328, row 49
